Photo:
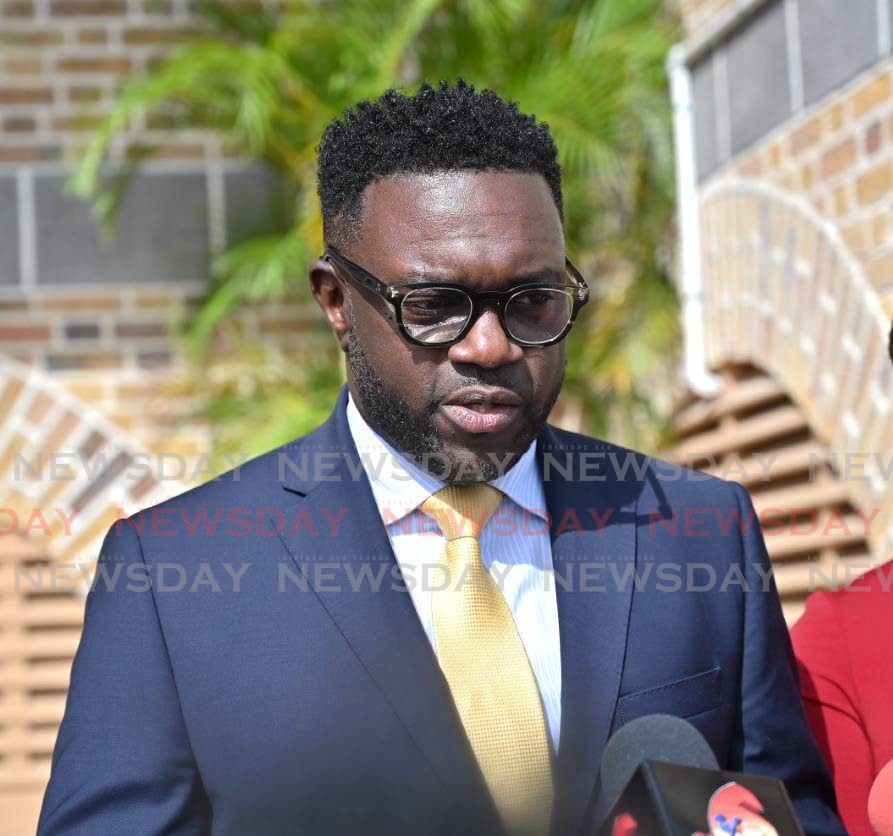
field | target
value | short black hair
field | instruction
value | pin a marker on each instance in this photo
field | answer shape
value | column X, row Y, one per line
column 449, row 128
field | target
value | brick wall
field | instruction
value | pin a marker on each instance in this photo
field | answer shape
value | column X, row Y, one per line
column 58, row 55
column 834, row 149
column 696, row 14
column 839, row 156
column 793, row 123
column 99, row 316
column 60, row 58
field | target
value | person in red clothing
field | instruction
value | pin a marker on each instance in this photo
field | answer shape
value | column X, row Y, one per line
column 844, row 649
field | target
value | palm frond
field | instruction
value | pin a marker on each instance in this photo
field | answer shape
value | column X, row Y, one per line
column 211, row 84
column 262, row 268
column 397, row 41
column 607, row 17
column 255, row 22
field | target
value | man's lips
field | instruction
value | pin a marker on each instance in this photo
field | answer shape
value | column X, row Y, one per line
column 483, row 409
column 481, row 418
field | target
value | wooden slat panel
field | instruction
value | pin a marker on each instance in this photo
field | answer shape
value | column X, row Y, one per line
column 46, row 613
column 27, row 580
column 15, row 548
column 26, row 777
column 744, row 435
column 30, row 743
column 46, row 710
column 11, row 390
column 758, row 447
column 20, row 809
column 805, row 496
column 744, row 396
column 756, row 470
column 42, row 610
column 45, row 676
column 792, row 610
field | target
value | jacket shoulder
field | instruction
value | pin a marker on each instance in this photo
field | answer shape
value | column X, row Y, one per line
column 662, row 480
column 258, row 481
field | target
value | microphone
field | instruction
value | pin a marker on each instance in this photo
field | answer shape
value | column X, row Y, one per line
column 656, row 737
column 880, row 802
column 664, row 780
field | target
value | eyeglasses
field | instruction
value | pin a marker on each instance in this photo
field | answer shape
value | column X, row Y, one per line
column 442, row 313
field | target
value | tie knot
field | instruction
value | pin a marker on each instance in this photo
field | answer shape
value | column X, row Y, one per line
column 462, row 510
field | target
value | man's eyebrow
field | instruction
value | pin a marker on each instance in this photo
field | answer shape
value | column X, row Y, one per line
column 544, row 275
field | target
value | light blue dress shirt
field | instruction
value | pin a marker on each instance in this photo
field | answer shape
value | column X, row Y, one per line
column 515, row 548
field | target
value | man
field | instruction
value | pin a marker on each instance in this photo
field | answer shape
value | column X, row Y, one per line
column 442, row 639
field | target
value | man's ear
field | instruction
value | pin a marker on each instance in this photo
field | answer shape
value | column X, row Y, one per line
column 328, row 290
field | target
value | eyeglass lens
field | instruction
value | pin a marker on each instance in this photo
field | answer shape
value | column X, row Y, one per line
column 439, row 315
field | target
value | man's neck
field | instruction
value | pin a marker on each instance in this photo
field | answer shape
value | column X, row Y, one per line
column 368, row 440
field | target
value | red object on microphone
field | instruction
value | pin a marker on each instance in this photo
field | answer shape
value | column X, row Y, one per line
column 880, row 802
column 625, row 825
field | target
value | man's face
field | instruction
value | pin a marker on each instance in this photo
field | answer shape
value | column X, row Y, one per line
column 467, row 411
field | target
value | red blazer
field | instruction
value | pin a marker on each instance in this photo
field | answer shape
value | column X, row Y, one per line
column 844, row 649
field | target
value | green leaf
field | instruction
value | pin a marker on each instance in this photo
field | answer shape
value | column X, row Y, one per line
column 261, row 268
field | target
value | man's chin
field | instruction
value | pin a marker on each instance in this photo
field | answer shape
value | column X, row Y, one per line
column 481, row 463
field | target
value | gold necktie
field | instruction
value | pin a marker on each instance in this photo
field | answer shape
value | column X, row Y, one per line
column 486, row 667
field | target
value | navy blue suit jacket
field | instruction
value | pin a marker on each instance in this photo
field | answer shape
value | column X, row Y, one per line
column 306, row 700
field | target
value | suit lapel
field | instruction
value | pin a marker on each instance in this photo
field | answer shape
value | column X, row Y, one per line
column 379, row 621
column 593, row 523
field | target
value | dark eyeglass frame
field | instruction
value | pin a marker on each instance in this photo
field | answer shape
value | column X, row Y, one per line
column 394, row 295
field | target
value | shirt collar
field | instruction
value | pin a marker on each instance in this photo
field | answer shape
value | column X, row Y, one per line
column 400, row 486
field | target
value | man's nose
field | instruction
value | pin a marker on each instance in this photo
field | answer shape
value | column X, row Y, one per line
column 486, row 344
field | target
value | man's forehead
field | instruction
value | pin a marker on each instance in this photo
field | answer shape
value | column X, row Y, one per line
column 453, row 214
column 454, row 192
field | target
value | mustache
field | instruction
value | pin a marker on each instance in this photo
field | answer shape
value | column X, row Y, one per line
column 501, row 378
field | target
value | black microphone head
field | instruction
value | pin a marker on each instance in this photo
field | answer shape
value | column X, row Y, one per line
column 656, row 737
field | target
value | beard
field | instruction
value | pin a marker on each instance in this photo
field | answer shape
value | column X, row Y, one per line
column 414, row 434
